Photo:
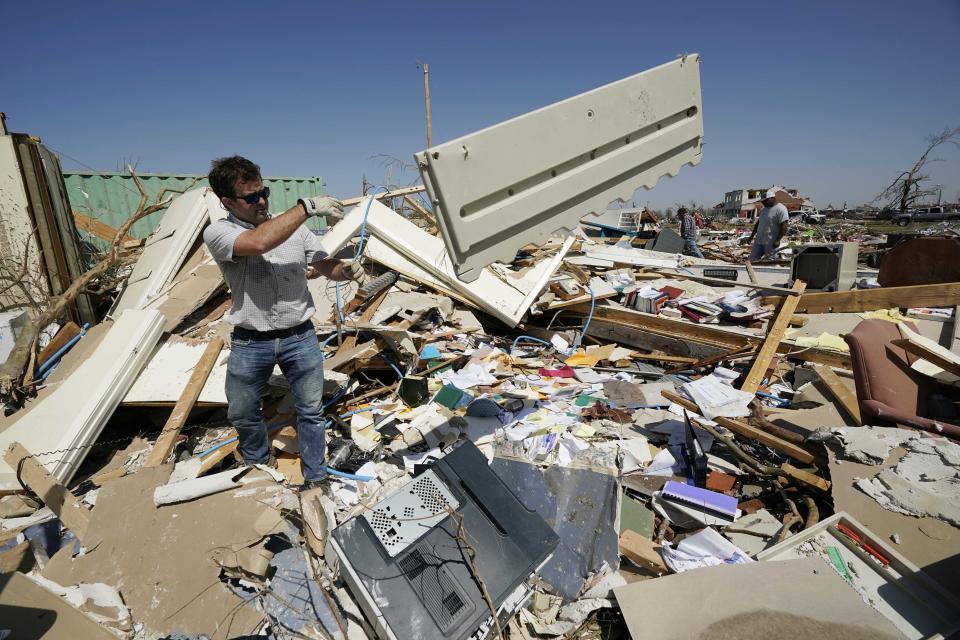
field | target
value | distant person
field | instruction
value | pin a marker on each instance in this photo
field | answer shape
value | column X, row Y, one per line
column 698, row 219
column 688, row 231
column 769, row 229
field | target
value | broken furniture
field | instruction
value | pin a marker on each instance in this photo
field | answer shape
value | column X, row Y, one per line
column 889, row 391
column 431, row 560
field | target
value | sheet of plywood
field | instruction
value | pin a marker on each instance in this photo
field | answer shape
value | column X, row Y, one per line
column 169, row 368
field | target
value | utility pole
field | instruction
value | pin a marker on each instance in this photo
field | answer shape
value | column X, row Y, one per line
column 939, row 193
column 426, row 99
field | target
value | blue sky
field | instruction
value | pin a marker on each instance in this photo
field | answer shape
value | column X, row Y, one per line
column 832, row 97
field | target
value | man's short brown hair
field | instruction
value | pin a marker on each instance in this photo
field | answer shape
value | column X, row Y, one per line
column 226, row 172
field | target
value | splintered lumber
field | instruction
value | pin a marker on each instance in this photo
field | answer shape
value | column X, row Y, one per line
column 53, row 494
column 840, row 392
column 181, row 411
column 774, row 336
column 921, row 295
column 351, row 341
column 746, row 430
column 69, row 331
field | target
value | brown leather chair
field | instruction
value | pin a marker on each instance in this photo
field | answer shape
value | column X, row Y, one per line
column 889, row 392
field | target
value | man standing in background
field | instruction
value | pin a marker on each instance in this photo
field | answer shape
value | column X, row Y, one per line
column 770, row 228
column 688, row 231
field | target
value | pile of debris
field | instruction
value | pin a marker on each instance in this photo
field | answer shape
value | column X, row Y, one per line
column 596, row 436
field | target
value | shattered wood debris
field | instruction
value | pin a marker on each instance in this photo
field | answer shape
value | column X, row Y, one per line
column 668, row 438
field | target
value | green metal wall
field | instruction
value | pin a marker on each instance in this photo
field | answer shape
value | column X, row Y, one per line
column 113, row 197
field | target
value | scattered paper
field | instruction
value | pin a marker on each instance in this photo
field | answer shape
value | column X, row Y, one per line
column 704, row 549
column 717, row 399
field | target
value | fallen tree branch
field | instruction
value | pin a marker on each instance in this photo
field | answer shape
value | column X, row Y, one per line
column 15, row 374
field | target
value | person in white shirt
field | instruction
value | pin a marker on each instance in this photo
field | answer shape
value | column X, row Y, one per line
column 770, row 228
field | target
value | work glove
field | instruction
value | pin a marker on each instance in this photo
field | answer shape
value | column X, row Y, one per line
column 322, row 206
column 353, row 270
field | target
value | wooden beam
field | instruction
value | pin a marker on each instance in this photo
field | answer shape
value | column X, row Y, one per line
column 181, row 411
column 35, row 476
column 774, row 336
column 751, row 273
column 100, row 229
column 67, row 333
column 797, row 321
column 386, row 195
column 691, row 333
column 922, row 351
column 747, row 431
column 840, row 392
column 921, row 295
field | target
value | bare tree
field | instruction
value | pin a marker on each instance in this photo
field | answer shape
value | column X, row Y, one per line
column 17, row 372
column 907, row 188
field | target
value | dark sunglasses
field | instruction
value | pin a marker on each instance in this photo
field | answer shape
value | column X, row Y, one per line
column 254, row 198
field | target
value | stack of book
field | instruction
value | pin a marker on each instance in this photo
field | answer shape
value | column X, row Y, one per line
column 646, row 299
column 701, row 312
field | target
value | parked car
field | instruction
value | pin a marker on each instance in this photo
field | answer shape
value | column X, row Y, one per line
column 924, row 214
column 813, row 217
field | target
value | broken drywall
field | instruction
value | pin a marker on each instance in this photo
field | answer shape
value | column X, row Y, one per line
column 162, row 560
column 872, row 445
column 926, row 480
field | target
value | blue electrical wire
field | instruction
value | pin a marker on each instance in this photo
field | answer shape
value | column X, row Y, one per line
column 392, row 366
column 339, row 307
column 47, row 367
column 348, row 476
column 363, row 224
column 528, row 339
column 586, row 325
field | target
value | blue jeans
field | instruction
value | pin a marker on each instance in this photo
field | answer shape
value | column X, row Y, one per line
column 760, row 250
column 690, row 248
column 248, row 371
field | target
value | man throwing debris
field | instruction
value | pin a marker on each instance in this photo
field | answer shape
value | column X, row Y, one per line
column 770, row 228
column 688, row 231
column 264, row 260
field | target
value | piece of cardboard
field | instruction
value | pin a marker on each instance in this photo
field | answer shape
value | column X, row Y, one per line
column 160, row 557
column 31, row 612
